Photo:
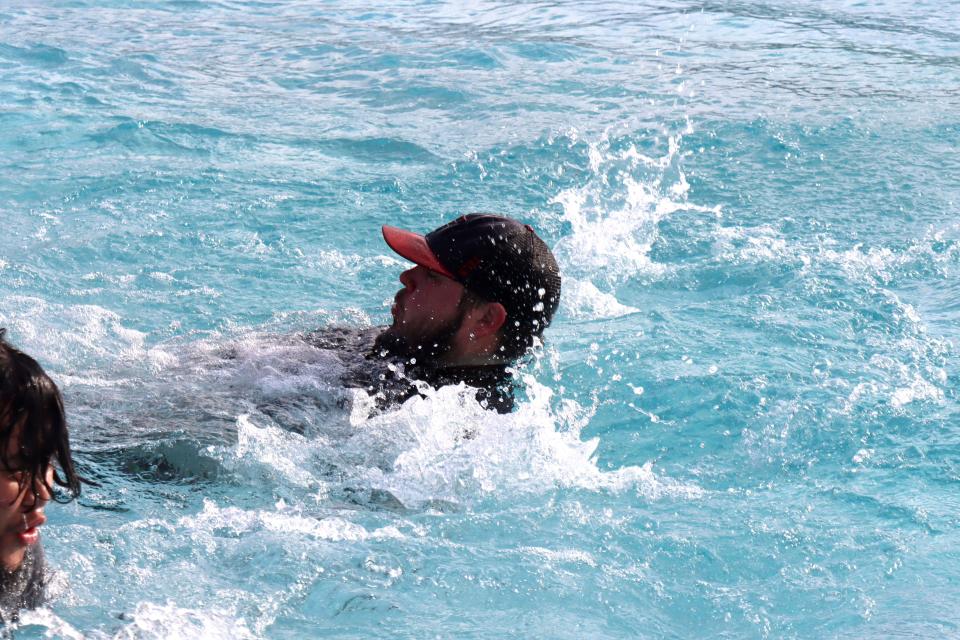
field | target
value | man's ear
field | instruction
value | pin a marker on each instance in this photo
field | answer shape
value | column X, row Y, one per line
column 488, row 319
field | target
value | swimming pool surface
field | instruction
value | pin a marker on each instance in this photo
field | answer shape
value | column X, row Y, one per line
column 744, row 421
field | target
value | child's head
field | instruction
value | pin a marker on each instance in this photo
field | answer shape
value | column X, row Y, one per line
column 35, row 462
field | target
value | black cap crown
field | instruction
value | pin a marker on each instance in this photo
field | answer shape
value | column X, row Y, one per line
column 502, row 261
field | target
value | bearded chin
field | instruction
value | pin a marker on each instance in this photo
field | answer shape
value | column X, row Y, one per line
column 425, row 349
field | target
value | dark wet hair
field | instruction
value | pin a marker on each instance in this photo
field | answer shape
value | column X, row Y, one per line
column 31, row 410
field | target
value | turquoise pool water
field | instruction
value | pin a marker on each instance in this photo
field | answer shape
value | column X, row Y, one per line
column 743, row 423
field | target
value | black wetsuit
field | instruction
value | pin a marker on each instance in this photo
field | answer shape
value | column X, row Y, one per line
column 391, row 379
column 24, row 588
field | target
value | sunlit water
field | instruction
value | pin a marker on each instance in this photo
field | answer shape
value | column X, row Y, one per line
column 743, row 423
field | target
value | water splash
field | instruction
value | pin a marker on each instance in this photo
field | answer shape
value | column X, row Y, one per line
column 445, row 447
column 614, row 220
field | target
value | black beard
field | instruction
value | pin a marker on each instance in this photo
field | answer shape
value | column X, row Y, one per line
column 426, row 350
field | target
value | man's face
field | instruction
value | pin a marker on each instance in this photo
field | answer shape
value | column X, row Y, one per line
column 426, row 312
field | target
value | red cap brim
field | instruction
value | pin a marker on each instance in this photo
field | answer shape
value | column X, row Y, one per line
column 413, row 247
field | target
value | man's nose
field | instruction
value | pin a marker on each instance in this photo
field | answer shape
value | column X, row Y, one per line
column 407, row 279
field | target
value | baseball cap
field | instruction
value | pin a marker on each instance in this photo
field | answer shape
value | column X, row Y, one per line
column 496, row 258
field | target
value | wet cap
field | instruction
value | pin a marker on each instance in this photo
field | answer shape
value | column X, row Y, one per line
column 496, row 258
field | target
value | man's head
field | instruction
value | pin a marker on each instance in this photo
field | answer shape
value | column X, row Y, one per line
column 483, row 289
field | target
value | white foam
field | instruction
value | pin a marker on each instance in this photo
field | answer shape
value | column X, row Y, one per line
column 284, row 521
column 446, row 447
column 572, row 556
column 87, row 333
column 582, row 300
column 161, row 276
column 612, row 245
column 875, row 265
column 202, row 291
column 279, row 451
column 170, row 622
column 614, row 220
column 614, row 216
column 752, row 245
column 66, row 380
column 161, row 359
column 53, row 625
column 250, row 242
column 905, row 369
column 917, row 389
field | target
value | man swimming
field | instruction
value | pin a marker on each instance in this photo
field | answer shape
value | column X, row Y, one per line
column 483, row 290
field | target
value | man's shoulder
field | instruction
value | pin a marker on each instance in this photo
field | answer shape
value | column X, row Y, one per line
column 343, row 338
